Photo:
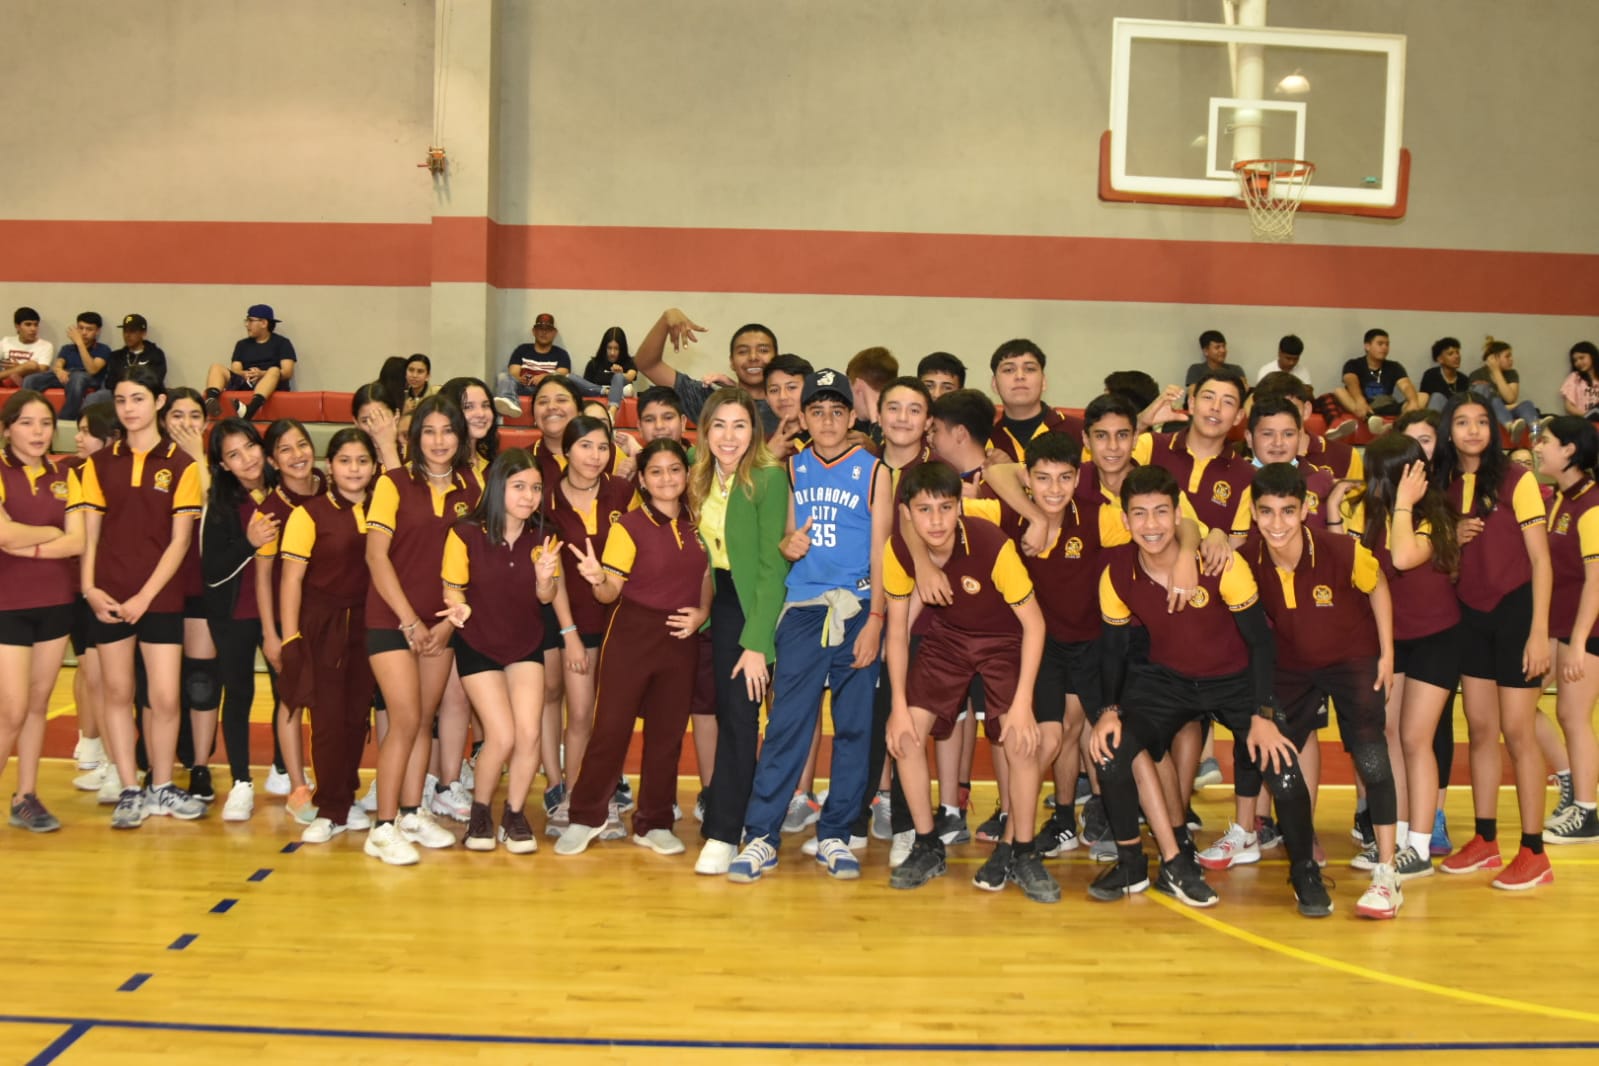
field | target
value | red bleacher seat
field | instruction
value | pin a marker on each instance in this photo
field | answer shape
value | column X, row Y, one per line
column 336, row 407
column 305, row 406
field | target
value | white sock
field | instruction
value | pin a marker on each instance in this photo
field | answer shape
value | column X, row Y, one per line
column 1422, row 842
column 954, row 811
column 1401, row 833
column 1586, row 806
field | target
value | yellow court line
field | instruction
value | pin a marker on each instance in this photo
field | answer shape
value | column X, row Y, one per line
column 1300, row 955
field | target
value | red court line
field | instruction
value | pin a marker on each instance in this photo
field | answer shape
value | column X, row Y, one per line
column 808, row 262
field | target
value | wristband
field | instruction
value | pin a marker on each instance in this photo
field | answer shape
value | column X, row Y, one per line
column 877, row 614
column 568, row 629
column 36, row 551
column 1267, row 712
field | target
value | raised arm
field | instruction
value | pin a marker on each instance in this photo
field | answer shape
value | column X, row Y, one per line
column 649, row 357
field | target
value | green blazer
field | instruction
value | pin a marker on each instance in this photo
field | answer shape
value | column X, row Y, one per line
column 754, row 539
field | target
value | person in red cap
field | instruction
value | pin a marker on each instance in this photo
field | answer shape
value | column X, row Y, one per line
column 529, row 363
column 263, row 362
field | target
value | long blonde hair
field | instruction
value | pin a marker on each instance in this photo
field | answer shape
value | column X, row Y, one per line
column 755, row 457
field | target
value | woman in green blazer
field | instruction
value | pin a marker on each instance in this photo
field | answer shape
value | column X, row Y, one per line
column 740, row 498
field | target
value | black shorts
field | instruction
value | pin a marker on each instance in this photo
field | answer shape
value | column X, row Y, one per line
column 469, row 661
column 194, row 606
column 155, row 627
column 36, row 625
column 1158, row 702
column 82, row 625
column 1301, row 696
column 1492, row 642
column 1432, row 660
column 1067, row 669
column 552, row 629
column 379, row 641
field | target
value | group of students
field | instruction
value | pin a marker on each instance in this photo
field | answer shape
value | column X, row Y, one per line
column 1096, row 591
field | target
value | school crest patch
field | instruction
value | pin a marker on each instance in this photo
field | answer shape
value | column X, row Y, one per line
column 461, row 510
column 1312, row 502
column 163, row 480
column 615, row 517
column 1200, row 597
column 1322, row 594
column 1563, row 524
column 1221, row 493
column 971, row 585
column 58, row 489
column 1074, row 548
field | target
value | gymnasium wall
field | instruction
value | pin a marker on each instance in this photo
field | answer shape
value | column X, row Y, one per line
column 915, row 173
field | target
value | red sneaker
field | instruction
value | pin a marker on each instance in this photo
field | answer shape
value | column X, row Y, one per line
column 1527, row 870
column 1478, row 854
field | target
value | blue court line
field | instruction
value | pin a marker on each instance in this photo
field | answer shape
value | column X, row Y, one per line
column 223, row 906
column 183, row 941
column 259, row 875
column 797, row 1045
column 290, row 849
column 54, row 1049
column 132, row 984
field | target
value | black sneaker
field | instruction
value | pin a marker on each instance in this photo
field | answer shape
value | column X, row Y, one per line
column 925, row 862
column 1576, row 825
column 1058, row 836
column 1181, row 878
column 1268, row 834
column 1085, row 789
column 993, row 830
column 992, row 875
column 200, row 784
column 1310, row 889
column 623, row 796
column 1362, row 833
column 950, row 826
column 1027, row 870
column 1096, row 826
column 1194, row 822
column 1124, row 879
column 213, row 407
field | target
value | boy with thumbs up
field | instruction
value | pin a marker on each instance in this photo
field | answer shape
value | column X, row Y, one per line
column 829, row 634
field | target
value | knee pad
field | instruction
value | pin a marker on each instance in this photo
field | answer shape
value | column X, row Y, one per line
column 202, row 684
column 1372, row 764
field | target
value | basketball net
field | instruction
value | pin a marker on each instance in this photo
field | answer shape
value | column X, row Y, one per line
column 1271, row 189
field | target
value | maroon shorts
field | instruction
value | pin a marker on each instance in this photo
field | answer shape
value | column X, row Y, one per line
column 704, row 699
column 943, row 670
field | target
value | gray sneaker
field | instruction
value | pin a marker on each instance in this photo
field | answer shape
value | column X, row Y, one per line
column 129, row 811
column 1027, row 870
column 172, row 801
column 1102, row 850
column 882, row 817
column 1367, row 859
column 803, row 812
column 1409, row 865
column 28, row 813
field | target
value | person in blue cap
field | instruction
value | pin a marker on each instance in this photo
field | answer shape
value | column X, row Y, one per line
column 263, row 362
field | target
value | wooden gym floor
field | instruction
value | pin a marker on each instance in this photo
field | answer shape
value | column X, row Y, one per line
column 208, row 940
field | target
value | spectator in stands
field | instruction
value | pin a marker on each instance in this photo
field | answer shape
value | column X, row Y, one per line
column 869, row 373
column 531, row 363
column 1289, row 352
column 752, row 347
column 1580, row 390
column 78, row 368
column 941, row 372
column 1213, row 346
column 611, row 358
column 418, row 375
column 1136, row 387
column 263, row 362
column 1498, row 382
column 23, row 353
column 135, row 351
column 1443, row 379
column 1375, row 385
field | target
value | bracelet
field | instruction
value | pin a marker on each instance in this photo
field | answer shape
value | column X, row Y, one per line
column 413, row 625
column 1401, row 510
column 877, row 614
column 36, row 548
column 568, row 629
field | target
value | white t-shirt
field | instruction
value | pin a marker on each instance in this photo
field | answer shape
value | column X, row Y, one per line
column 1298, row 371
column 13, row 352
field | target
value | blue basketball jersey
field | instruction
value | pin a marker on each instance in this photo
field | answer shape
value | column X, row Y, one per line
column 837, row 498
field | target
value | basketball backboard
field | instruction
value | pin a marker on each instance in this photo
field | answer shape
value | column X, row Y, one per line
column 1189, row 99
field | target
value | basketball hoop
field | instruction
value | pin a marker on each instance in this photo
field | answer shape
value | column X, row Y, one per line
column 1272, row 189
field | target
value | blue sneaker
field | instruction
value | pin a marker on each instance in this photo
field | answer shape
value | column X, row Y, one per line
column 834, row 854
column 757, row 857
column 1440, row 836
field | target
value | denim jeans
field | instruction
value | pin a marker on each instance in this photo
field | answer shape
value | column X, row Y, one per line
column 510, row 387
column 77, row 385
column 1503, row 412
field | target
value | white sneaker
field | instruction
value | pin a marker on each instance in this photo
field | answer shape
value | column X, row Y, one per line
column 110, row 787
column 575, row 839
column 386, row 842
column 558, row 819
column 90, row 754
column 468, row 776
column 507, row 407
column 420, row 828
column 170, row 801
column 900, row 849
column 452, row 802
column 95, row 779
column 1382, row 898
column 357, row 820
column 278, row 784
column 855, row 844
column 240, row 803
column 612, row 829
column 320, row 831
column 1235, row 848
column 660, row 841
column 715, row 857
column 369, row 799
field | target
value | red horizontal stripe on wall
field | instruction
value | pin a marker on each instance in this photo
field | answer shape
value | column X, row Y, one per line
column 215, row 253
column 818, row 262
column 1045, row 268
